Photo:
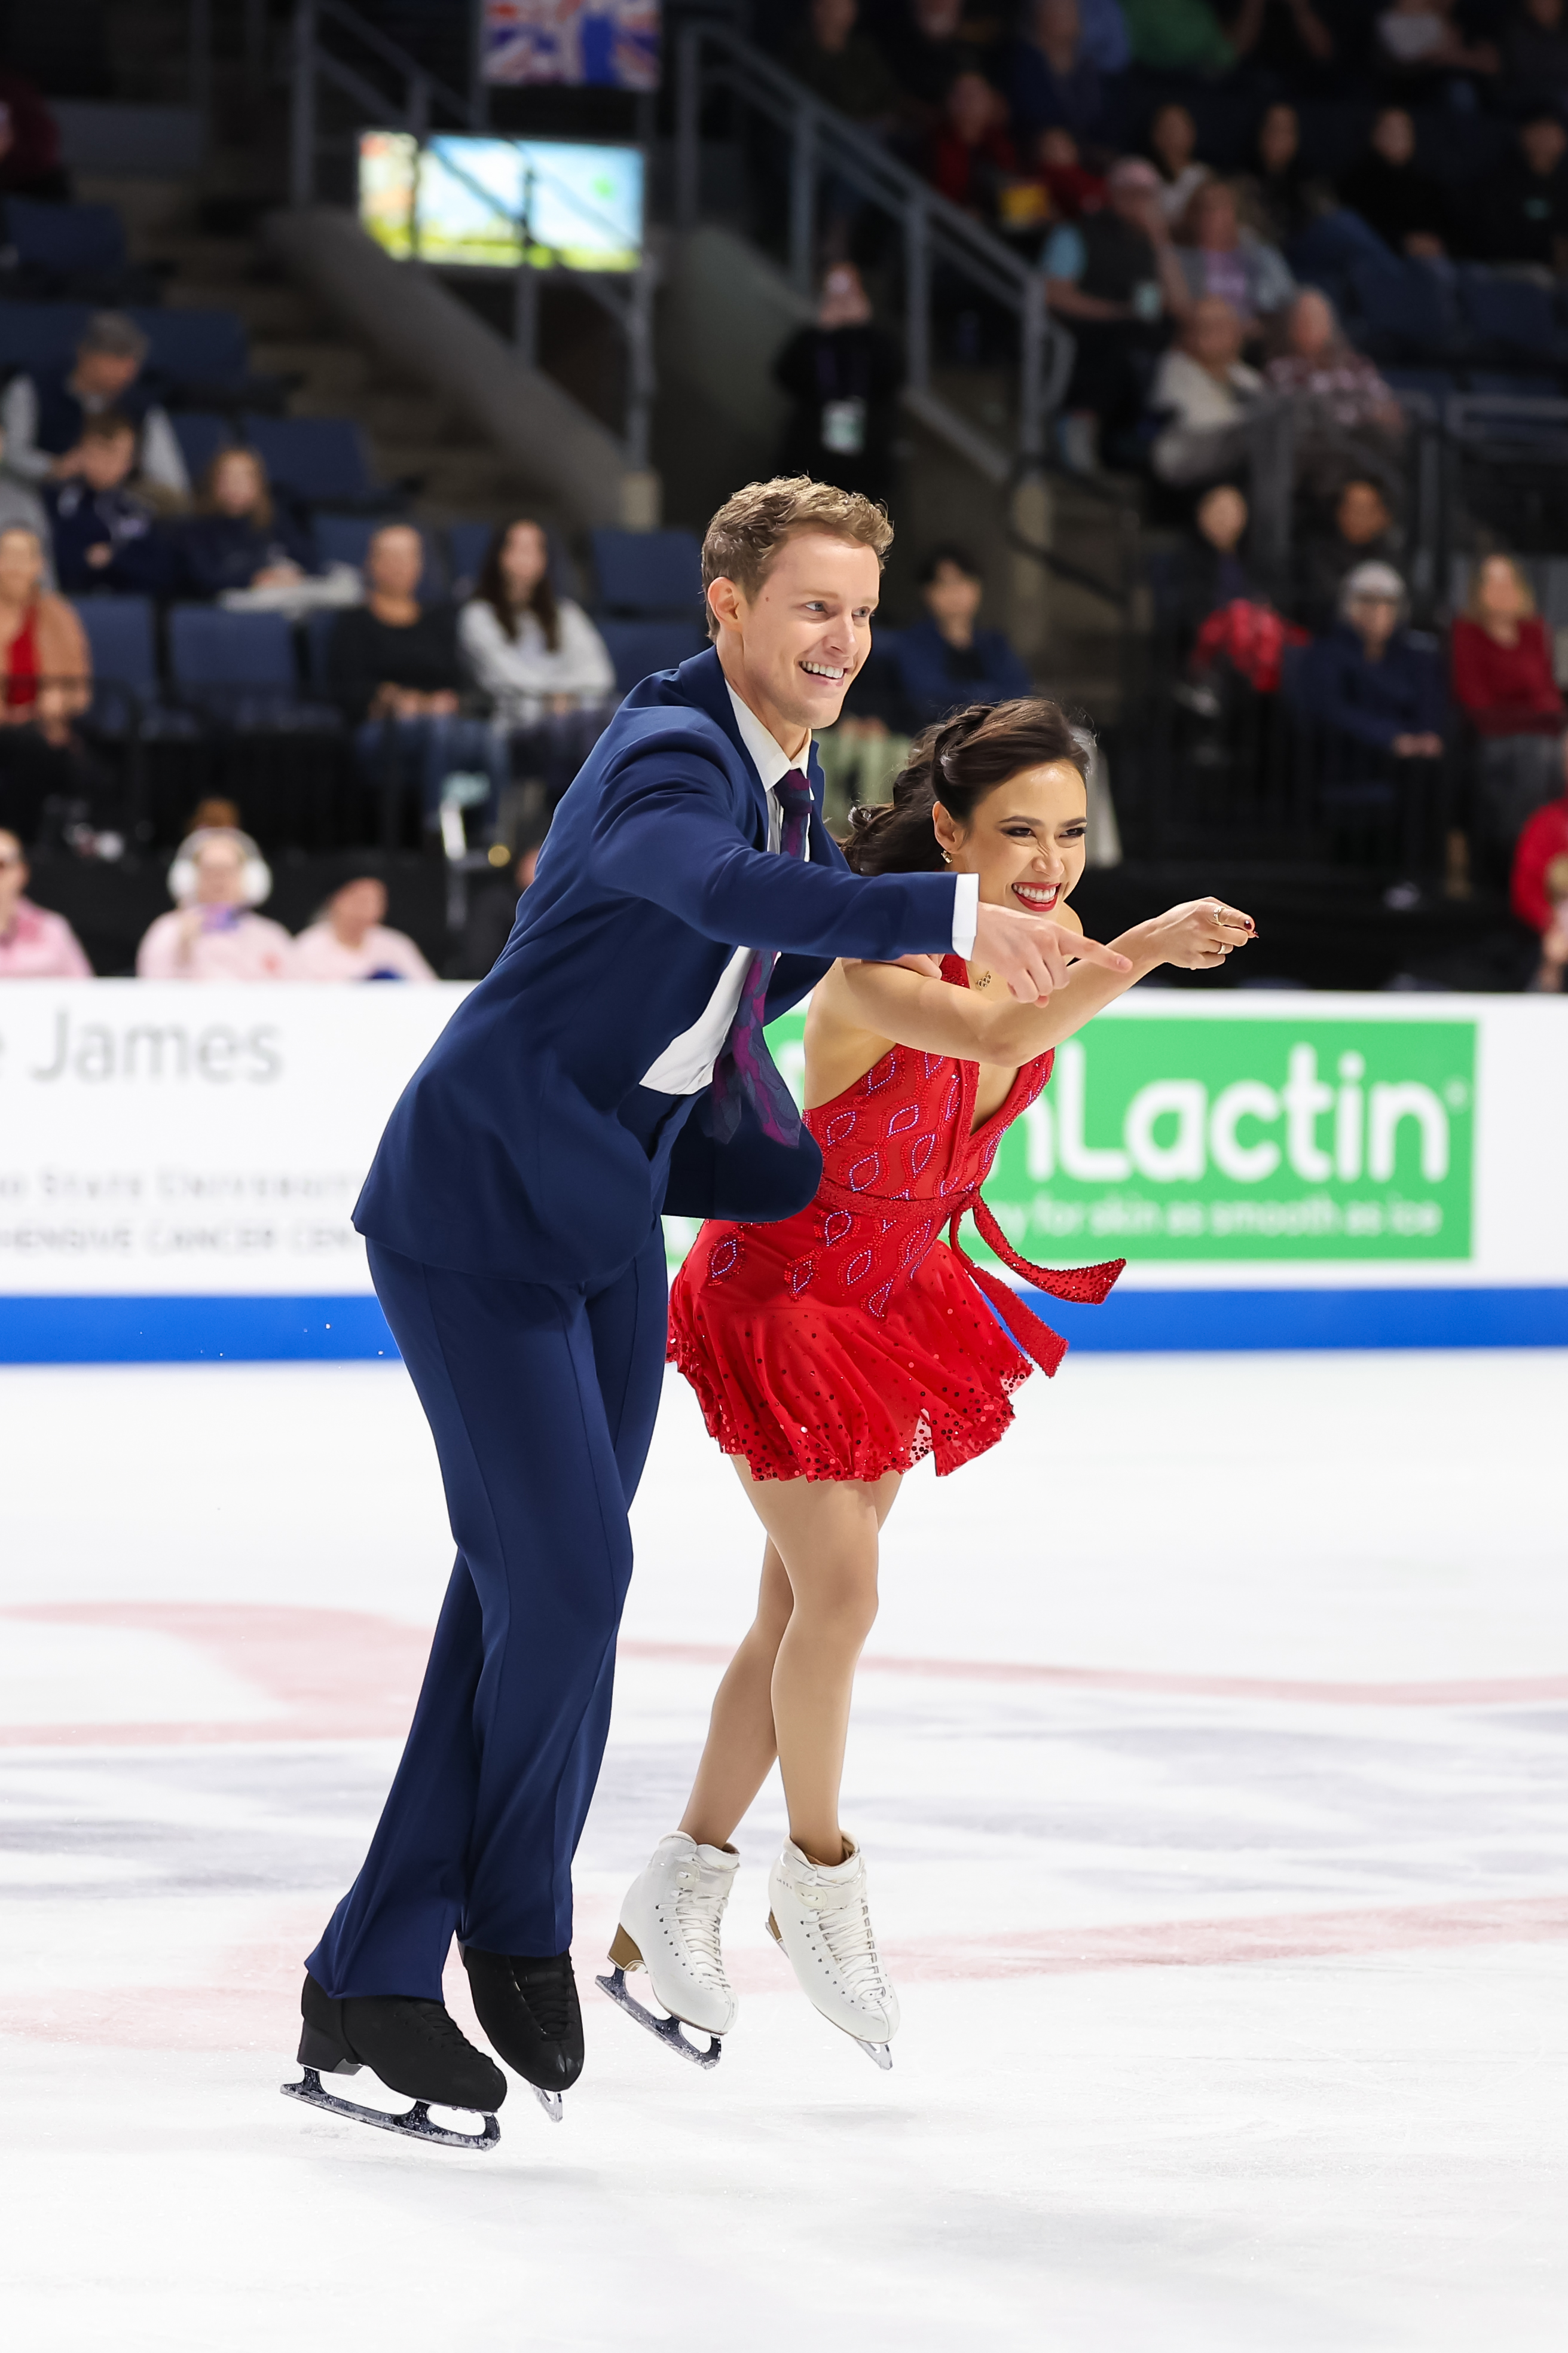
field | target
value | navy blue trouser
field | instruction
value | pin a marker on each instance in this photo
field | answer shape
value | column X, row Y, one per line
column 541, row 1402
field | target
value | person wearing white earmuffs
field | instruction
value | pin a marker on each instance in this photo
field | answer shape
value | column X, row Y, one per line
column 217, row 880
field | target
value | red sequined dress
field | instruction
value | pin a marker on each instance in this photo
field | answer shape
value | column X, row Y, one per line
column 850, row 1340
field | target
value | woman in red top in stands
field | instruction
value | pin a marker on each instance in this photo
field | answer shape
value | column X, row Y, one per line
column 1500, row 655
column 46, row 679
column 833, row 1351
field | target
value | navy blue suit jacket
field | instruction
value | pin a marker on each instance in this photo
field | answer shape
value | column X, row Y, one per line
column 506, row 1154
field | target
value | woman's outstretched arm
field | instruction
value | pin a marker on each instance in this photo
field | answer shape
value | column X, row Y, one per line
column 909, row 1009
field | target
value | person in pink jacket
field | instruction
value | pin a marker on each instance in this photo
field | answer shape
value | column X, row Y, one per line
column 35, row 945
column 351, row 941
column 217, row 879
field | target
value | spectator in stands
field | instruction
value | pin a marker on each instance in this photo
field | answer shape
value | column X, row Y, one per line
column 1072, row 188
column 1362, row 531
column 843, row 376
column 43, row 414
column 970, row 156
column 21, row 508
column 1535, row 54
column 1288, row 41
column 1346, row 420
column 1277, row 191
column 1049, row 77
column 1404, row 204
column 492, row 912
column 947, row 659
column 30, row 161
column 844, row 67
column 1177, row 37
column 1369, row 680
column 1173, row 148
column 1210, row 570
column 535, row 654
column 927, row 45
column 217, row 880
column 1548, row 976
column 48, row 676
column 104, row 536
column 1524, row 208
column 350, row 939
column 393, row 666
column 1219, row 257
column 1114, row 277
column 1422, row 49
column 1201, row 392
column 1543, row 840
column 35, row 943
column 238, row 538
column 1501, row 664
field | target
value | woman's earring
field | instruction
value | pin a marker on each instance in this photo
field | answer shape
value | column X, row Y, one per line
column 946, row 858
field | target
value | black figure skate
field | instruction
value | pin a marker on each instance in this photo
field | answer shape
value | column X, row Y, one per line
column 415, row 2047
column 529, row 2010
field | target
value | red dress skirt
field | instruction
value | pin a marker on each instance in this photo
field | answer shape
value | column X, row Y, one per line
column 851, row 1340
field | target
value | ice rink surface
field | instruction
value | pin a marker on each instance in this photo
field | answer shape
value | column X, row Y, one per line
column 1210, row 1763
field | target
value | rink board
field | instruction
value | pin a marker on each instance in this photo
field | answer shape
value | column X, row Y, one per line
column 178, row 1168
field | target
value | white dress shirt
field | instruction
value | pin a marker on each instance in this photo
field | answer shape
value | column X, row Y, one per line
column 686, row 1065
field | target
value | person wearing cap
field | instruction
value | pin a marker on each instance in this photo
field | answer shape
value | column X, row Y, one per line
column 35, row 943
column 217, row 880
column 1370, row 680
column 42, row 414
column 350, row 939
column 1114, row 279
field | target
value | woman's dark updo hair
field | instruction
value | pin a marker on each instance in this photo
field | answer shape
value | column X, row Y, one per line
column 957, row 763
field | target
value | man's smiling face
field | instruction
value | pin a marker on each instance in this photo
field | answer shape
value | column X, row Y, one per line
column 791, row 651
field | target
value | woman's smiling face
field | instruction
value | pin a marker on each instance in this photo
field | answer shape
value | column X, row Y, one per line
column 1025, row 840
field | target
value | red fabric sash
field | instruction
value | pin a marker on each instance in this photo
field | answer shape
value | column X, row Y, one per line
column 1088, row 1286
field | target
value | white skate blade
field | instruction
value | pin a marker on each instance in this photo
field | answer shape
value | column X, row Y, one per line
column 549, row 2101
column 667, row 2030
column 876, row 2051
column 414, row 2123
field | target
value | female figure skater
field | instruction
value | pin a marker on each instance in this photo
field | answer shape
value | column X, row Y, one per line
column 833, row 1350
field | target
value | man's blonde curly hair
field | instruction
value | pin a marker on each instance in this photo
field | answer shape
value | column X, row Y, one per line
column 746, row 536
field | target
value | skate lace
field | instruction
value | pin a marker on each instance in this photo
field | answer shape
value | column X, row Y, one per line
column 547, row 1987
column 846, row 1930
column 699, row 1901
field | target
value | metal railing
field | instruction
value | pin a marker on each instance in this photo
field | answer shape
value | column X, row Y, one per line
column 334, row 50
column 942, row 249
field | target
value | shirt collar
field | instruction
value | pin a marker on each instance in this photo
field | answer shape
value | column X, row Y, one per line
column 769, row 758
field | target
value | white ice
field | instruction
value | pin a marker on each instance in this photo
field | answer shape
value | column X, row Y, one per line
column 1231, row 1957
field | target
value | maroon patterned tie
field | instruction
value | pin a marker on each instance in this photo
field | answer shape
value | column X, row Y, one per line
column 745, row 1072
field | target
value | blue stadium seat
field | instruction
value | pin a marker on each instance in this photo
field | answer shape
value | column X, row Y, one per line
column 1433, row 385
column 197, row 347
column 40, row 334
column 66, row 237
column 1406, row 309
column 237, row 667
column 638, row 648
column 319, row 628
column 1508, row 318
column 649, row 572
column 120, row 635
column 1508, row 384
column 201, row 435
column 320, row 460
column 343, row 539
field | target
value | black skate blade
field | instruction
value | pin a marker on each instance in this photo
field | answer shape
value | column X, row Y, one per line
column 549, row 2101
column 414, row 2123
column 667, row 2030
column 878, row 2051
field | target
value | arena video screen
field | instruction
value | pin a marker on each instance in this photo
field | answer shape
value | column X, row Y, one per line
column 612, row 43
column 467, row 202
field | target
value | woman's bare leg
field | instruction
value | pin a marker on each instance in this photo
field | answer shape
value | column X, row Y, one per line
column 787, row 1690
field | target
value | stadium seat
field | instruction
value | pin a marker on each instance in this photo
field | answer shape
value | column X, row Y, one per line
column 40, row 334
column 208, row 349
column 319, row 628
column 648, row 571
column 201, row 435
column 120, row 635
column 1509, row 319
column 1504, row 384
column 638, row 648
column 65, row 238
column 1404, row 310
column 343, row 539
column 1433, row 385
column 235, row 667
column 320, row 460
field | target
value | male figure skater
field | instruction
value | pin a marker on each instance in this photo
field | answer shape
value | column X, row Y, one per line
column 611, row 1065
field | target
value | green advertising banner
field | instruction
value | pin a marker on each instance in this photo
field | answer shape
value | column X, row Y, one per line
column 1238, row 1138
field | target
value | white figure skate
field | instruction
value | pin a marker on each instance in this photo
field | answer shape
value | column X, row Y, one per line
column 669, row 1926
column 821, row 1918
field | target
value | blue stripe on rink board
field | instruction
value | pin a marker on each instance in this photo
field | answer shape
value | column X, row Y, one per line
column 174, row 1329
